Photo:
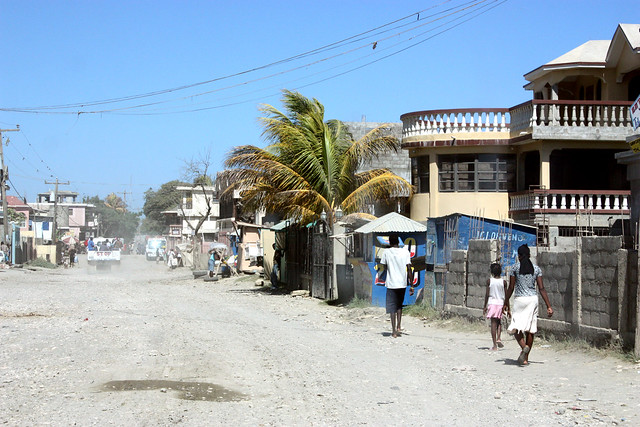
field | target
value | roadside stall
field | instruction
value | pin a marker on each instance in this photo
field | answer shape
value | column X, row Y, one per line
column 373, row 239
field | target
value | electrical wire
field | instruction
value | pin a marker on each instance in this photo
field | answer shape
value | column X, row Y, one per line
column 452, row 11
column 499, row 2
column 187, row 86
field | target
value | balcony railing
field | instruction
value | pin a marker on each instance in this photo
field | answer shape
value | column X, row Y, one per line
column 610, row 117
column 462, row 120
column 570, row 201
column 606, row 120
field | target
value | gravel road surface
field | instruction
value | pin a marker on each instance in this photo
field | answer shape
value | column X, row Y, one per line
column 143, row 345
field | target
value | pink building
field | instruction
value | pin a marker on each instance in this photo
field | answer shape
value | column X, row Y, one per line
column 18, row 205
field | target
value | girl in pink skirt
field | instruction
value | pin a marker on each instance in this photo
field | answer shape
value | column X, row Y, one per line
column 493, row 303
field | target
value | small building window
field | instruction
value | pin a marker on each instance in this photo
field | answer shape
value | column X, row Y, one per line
column 188, row 197
column 476, row 172
column 420, row 173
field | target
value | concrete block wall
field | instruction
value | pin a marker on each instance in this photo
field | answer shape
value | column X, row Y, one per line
column 398, row 162
column 599, row 278
column 456, row 289
column 480, row 256
column 558, row 269
column 593, row 289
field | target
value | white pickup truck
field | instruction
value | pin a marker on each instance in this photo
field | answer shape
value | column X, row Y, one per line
column 103, row 259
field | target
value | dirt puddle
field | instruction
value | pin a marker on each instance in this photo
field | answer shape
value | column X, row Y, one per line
column 186, row 390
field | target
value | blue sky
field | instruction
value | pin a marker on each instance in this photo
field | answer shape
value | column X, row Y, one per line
column 77, row 52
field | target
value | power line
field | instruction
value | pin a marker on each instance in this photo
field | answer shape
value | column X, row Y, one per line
column 187, row 86
column 338, row 66
column 442, row 15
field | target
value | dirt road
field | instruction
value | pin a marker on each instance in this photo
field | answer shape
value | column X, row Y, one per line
column 143, row 345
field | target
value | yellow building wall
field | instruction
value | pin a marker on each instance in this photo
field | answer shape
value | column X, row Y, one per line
column 420, row 207
column 47, row 252
column 489, row 205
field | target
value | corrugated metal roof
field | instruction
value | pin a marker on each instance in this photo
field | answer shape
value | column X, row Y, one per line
column 281, row 225
column 392, row 223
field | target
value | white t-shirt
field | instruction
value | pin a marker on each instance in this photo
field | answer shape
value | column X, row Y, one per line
column 496, row 291
column 396, row 260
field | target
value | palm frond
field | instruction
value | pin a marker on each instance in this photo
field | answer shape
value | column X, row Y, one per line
column 384, row 186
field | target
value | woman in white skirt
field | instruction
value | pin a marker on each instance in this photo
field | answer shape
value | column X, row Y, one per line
column 524, row 321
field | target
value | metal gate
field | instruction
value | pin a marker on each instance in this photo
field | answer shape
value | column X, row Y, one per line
column 322, row 258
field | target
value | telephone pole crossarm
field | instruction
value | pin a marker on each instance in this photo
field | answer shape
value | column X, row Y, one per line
column 54, row 229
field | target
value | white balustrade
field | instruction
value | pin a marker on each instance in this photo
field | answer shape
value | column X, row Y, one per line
column 558, row 201
column 455, row 121
column 566, row 113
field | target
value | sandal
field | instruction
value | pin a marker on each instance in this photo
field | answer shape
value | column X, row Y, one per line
column 523, row 354
column 500, row 345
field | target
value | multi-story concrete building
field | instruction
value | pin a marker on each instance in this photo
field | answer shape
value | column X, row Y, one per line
column 70, row 215
column 198, row 203
column 549, row 161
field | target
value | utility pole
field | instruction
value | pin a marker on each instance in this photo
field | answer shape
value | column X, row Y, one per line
column 54, row 231
column 124, row 196
column 4, row 176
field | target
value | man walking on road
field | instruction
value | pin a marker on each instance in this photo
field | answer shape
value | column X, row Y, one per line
column 397, row 262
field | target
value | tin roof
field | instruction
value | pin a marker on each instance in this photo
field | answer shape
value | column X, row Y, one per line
column 281, row 225
column 392, row 223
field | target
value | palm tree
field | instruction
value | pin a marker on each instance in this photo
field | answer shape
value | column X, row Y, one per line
column 311, row 165
column 114, row 202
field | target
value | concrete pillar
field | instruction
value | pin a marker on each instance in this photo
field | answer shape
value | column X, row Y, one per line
column 554, row 92
column 623, row 290
column 545, row 167
column 576, row 279
column 434, row 193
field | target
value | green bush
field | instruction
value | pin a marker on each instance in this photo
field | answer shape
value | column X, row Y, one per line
column 358, row 303
column 423, row 311
column 40, row 262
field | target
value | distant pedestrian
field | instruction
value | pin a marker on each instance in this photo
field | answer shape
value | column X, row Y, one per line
column 5, row 250
column 275, row 269
column 90, row 245
column 172, row 261
column 524, row 321
column 72, row 255
column 494, row 303
column 214, row 260
column 397, row 262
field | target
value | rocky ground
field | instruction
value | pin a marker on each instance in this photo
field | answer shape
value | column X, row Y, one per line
column 142, row 345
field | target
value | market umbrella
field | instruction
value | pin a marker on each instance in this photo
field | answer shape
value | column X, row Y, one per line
column 69, row 240
column 218, row 246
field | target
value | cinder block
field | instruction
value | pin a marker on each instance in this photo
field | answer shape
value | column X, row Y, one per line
column 588, row 303
column 612, row 258
column 563, row 286
column 588, row 273
column 588, row 245
column 602, row 304
column 606, row 321
column 586, row 317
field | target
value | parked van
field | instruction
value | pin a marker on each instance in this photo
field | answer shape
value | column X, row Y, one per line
column 153, row 245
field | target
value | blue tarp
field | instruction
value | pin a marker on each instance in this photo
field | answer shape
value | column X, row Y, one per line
column 416, row 241
column 463, row 228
